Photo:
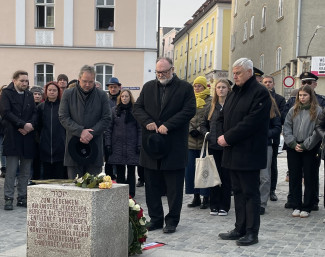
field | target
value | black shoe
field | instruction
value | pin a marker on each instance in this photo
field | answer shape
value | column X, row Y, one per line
column 31, row 183
column 22, row 202
column 3, row 172
column 152, row 227
column 140, row 184
column 205, row 203
column 8, row 204
column 169, row 229
column 288, row 205
column 315, row 207
column 248, row 239
column 273, row 196
column 195, row 202
column 231, row 235
column 262, row 210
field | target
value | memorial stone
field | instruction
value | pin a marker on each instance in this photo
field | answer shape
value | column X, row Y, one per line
column 72, row 221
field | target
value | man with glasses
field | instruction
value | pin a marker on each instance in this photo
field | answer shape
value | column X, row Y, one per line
column 164, row 109
column 310, row 79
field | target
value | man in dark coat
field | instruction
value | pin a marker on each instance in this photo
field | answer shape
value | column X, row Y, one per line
column 85, row 113
column 268, row 81
column 19, row 116
column 165, row 106
column 243, row 128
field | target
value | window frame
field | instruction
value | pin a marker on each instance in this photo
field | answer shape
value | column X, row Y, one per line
column 45, row 74
column 251, row 33
column 262, row 58
column 263, row 21
column 212, row 25
column 105, row 20
column 104, row 79
column 245, row 31
column 280, row 9
column 47, row 5
column 278, row 58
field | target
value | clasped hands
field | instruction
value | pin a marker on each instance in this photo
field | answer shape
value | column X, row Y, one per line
column 28, row 127
column 86, row 136
column 162, row 129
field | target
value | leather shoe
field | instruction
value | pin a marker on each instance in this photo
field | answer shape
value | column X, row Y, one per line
column 231, row 235
column 140, row 184
column 262, row 210
column 315, row 207
column 248, row 239
column 273, row 196
column 169, row 229
column 288, row 205
column 152, row 227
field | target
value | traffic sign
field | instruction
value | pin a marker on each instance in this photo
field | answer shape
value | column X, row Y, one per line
column 288, row 81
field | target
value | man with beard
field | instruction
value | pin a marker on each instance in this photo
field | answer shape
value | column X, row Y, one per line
column 164, row 108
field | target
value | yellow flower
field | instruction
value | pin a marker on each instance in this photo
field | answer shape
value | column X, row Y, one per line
column 105, row 185
column 107, row 179
column 131, row 203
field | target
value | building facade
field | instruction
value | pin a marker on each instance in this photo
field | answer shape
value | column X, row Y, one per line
column 202, row 46
column 278, row 35
column 167, row 42
column 49, row 37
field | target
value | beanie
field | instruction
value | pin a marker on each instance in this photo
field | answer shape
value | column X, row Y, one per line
column 201, row 80
column 64, row 77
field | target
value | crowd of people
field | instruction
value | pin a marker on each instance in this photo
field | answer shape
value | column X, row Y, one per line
column 65, row 129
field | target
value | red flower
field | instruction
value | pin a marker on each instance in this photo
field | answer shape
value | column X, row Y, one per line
column 142, row 240
column 140, row 214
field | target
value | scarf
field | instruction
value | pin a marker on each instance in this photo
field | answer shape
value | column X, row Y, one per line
column 200, row 97
column 128, row 111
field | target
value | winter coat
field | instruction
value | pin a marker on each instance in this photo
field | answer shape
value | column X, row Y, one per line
column 320, row 129
column 75, row 115
column 301, row 129
column 14, row 116
column 124, row 139
column 195, row 143
column 244, row 122
column 274, row 130
column 52, row 133
column 174, row 110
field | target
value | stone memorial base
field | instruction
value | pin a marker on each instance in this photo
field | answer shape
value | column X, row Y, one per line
column 66, row 220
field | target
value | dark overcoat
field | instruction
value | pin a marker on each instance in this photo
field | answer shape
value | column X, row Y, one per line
column 75, row 115
column 244, row 122
column 14, row 117
column 175, row 111
column 124, row 139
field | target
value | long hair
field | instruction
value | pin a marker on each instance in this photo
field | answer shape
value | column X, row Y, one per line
column 118, row 101
column 54, row 84
column 313, row 102
column 274, row 111
column 215, row 98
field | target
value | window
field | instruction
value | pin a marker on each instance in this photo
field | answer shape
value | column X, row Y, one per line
column 262, row 62
column 195, row 63
column 186, row 47
column 190, row 69
column 251, row 34
column 185, row 71
column 200, row 61
column 45, row 14
column 181, row 50
column 191, row 43
column 278, row 58
column 233, row 42
column 263, row 24
column 207, row 30
column 196, row 38
column 211, row 56
column 235, row 7
column 176, row 53
column 105, row 14
column 201, row 34
column 180, row 71
column 280, row 9
column 245, row 31
column 205, row 61
column 212, row 26
column 103, row 73
column 169, row 40
column 43, row 74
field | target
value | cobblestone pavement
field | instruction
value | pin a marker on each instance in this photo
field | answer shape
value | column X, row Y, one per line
column 197, row 233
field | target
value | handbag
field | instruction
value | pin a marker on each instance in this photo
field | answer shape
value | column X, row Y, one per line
column 206, row 172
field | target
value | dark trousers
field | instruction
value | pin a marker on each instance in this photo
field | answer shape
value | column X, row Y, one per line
column 303, row 164
column 141, row 174
column 274, row 167
column 130, row 178
column 157, row 183
column 53, row 170
column 245, row 185
column 220, row 196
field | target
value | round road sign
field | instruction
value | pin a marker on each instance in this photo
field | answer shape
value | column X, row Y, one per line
column 288, row 81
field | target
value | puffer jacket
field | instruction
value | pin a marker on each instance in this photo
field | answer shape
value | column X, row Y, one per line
column 301, row 129
column 195, row 143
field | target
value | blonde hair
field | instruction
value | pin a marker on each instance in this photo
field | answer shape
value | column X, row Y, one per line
column 215, row 98
column 130, row 94
column 274, row 111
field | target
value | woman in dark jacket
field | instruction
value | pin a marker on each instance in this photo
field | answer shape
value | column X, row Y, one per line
column 52, row 133
column 220, row 196
column 123, row 140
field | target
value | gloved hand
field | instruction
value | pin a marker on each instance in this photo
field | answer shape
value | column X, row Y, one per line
column 137, row 149
column 195, row 133
column 109, row 150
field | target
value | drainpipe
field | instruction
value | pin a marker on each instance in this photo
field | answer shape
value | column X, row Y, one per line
column 188, row 49
column 158, row 39
column 298, row 28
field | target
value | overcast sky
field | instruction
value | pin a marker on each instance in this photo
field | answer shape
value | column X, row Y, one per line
column 174, row 13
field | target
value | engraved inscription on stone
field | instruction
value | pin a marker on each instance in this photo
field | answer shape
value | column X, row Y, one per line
column 58, row 221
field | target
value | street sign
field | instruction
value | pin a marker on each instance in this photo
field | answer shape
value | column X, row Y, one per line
column 288, row 81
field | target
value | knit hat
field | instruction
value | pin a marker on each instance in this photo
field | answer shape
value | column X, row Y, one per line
column 64, row 77
column 200, row 80
column 37, row 89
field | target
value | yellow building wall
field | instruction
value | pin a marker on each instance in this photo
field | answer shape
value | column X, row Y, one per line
column 226, row 39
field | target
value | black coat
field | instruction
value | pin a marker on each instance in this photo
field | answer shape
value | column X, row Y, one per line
column 280, row 102
column 14, row 117
column 52, row 133
column 176, row 110
column 124, row 139
column 244, row 122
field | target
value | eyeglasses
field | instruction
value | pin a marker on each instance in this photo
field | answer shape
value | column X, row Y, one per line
column 309, row 82
column 163, row 72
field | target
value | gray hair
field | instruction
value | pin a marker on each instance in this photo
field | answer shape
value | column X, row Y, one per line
column 246, row 63
column 87, row 68
column 165, row 58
